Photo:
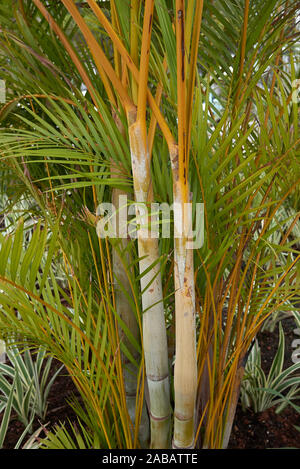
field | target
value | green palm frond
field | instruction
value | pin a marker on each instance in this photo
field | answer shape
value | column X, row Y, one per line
column 67, row 144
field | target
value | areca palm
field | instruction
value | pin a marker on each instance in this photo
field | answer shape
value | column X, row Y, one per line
column 185, row 102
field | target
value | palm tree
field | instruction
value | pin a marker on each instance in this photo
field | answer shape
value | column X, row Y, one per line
column 161, row 101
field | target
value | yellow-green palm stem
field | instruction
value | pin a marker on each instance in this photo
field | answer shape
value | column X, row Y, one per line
column 185, row 372
column 154, row 328
column 123, row 305
column 232, row 405
column 185, row 376
column 126, row 313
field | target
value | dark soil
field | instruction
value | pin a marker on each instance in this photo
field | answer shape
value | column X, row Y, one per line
column 268, row 429
column 250, row 431
column 58, row 411
column 265, row 430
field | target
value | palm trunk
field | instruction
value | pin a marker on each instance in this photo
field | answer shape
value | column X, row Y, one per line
column 154, row 328
column 123, row 306
column 125, row 312
column 232, row 406
column 185, row 372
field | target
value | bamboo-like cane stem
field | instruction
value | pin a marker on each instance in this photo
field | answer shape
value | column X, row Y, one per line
column 185, row 372
column 123, row 306
column 154, row 328
column 126, row 313
column 232, row 405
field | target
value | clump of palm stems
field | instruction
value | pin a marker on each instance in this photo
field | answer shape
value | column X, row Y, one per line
column 164, row 101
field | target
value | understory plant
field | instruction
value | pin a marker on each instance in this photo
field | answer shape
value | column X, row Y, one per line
column 131, row 103
column 29, row 377
column 30, row 442
column 77, row 437
column 279, row 387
